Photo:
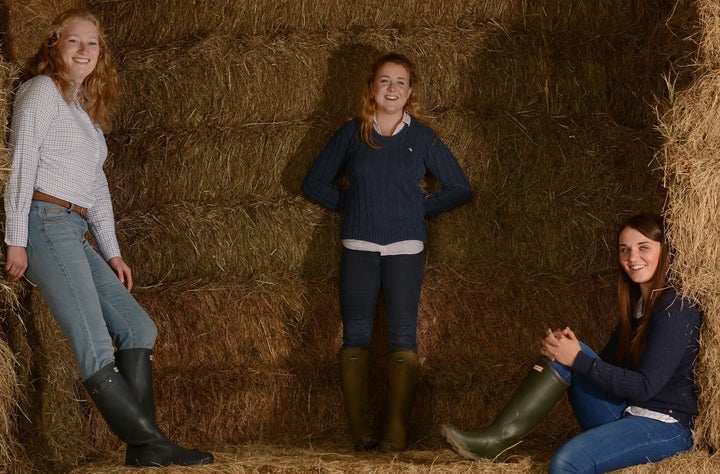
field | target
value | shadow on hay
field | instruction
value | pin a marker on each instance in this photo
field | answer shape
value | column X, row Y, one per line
column 346, row 71
column 5, row 45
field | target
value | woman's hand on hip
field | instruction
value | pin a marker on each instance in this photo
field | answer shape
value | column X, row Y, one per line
column 122, row 271
column 16, row 262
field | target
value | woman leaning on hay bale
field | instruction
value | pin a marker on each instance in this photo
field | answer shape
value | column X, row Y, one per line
column 385, row 153
column 635, row 402
column 57, row 190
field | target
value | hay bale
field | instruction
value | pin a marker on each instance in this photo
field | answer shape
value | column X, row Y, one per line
column 689, row 158
column 27, row 22
column 9, row 293
column 58, row 429
column 12, row 454
column 231, row 242
column 249, row 220
column 162, row 22
column 226, row 104
column 223, row 81
column 282, row 364
column 540, row 183
column 709, row 43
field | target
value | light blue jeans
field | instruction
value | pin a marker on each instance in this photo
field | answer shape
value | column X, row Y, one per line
column 611, row 440
column 85, row 296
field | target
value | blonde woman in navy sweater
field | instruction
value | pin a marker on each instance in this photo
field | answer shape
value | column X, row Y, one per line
column 385, row 153
column 636, row 400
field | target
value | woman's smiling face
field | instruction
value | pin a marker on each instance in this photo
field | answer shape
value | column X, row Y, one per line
column 639, row 256
column 79, row 48
column 391, row 88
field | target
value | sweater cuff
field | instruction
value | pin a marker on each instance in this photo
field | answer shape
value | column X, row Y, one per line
column 584, row 363
column 428, row 211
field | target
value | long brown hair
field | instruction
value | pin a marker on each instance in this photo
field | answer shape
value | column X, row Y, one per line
column 367, row 112
column 633, row 345
column 99, row 90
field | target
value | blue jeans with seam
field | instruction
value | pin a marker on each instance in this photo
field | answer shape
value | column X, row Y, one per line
column 362, row 275
column 92, row 306
column 610, row 439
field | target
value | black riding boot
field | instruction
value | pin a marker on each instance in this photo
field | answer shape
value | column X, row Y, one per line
column 129, row 421
column 135, row 365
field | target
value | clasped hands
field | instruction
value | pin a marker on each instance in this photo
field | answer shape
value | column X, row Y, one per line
column 560, row 345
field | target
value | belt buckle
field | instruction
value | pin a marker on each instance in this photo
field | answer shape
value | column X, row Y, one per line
column 75, row 208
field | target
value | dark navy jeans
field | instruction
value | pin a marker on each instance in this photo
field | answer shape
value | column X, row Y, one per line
column 610, row 439
column 362, row 275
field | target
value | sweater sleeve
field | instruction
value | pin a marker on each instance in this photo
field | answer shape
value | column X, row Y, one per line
column 318, row 184
column 454, row 186
column 608, row 352
column 672, row 330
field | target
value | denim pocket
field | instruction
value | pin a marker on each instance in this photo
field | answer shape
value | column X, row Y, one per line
column 54, row 213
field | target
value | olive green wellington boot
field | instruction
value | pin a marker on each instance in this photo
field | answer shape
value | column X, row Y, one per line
column 354, row 383
column 530, row 403
column 404, row 372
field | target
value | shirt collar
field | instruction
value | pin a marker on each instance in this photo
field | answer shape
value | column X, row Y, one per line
column 406, row 119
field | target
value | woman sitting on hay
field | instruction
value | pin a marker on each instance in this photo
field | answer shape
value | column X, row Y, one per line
column 57, row 190
column 636, row 401
column 385, row 154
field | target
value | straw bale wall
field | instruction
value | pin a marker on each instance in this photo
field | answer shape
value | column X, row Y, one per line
column 11, row 450
column 549, row 106
column 691, row 146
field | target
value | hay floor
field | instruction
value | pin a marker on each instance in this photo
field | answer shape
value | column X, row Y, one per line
column 341, row 459
column 325, row 459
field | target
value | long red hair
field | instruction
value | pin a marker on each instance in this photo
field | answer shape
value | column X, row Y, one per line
column 99, row 90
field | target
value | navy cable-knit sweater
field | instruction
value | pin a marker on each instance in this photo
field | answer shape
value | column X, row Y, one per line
column 665, row 380
column 384, row 202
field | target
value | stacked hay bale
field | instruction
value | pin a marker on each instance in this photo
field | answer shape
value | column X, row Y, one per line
column 12, row 453
column 13, row 457
column 548, row 106
column 689, row 154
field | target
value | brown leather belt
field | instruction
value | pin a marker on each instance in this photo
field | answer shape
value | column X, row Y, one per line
column 38, row 196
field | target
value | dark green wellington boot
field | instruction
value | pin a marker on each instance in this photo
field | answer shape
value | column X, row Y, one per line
column 531, row 402
column 354, row 383
column 403, row 374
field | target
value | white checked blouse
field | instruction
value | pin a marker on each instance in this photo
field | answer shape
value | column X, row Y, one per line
column 59, row 151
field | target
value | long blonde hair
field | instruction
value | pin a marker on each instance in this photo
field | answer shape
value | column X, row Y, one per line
column 99, row 89
column 367, row 112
